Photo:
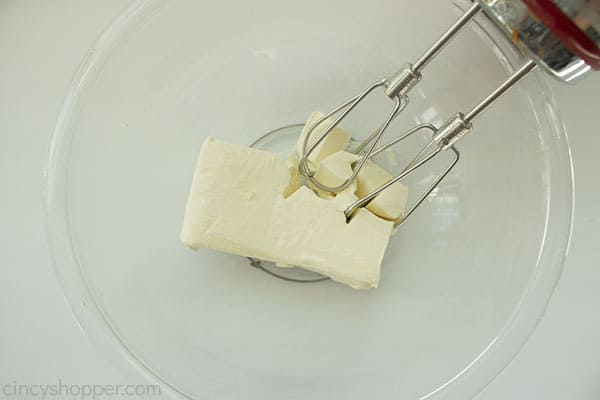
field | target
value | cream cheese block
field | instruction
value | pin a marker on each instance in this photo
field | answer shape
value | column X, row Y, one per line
column 237, row 205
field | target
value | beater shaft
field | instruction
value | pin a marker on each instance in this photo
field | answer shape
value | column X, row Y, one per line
column 446, row 37
column 496, row 94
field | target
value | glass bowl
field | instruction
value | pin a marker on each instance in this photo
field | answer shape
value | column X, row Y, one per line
column 464, row 282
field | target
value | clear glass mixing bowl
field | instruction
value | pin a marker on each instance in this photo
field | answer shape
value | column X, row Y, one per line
column 464, row 281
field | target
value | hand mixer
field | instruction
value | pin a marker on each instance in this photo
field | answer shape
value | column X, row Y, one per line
column 560, row 36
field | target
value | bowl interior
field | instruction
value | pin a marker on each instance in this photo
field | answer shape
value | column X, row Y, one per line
column 169, row 74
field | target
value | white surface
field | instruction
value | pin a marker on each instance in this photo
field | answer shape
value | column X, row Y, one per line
column 43, row 42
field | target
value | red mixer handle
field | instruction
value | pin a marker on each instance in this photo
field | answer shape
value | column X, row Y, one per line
column 566, row 31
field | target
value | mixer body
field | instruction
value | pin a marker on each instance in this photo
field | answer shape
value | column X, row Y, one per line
column 561, row 36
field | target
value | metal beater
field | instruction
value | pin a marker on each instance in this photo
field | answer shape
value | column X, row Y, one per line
column 562, row 37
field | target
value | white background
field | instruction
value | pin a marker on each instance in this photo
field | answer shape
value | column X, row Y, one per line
column 41, row 44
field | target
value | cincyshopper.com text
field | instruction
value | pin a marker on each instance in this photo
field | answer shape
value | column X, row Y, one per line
column 62, row 390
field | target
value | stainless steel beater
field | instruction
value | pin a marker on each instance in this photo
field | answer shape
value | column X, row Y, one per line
column 560, row 36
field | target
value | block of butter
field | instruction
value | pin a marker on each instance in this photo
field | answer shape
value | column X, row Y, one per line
column 237, row 204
